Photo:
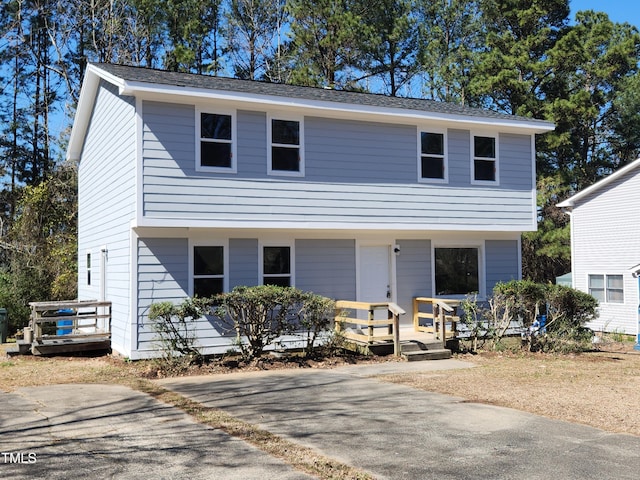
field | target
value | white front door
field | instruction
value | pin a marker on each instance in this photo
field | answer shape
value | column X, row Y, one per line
column 375, row 275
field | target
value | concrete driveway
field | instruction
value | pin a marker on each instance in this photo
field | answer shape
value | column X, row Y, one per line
column 110, row 431
column 397, row 432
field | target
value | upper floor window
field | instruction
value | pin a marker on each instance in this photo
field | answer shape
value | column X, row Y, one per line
column 485, row 159
column 285, row 149
column 607, row 288
column 208, row 271
column 215, row 151
column 432, row 159
column 88, row 269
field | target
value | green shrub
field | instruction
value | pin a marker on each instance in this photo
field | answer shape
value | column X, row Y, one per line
column 521, row 302
column 175, row 327
column 261, row 314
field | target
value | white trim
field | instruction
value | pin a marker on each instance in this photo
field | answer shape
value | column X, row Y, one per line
column 139, row 161
column 234, row 139
column 458, row 243
column 301, row 164
column 534, row 183
column 200, row 241
column 134, row 301
column 311, row 225
column 496, row 160
column 275, row 242
column 445, row 157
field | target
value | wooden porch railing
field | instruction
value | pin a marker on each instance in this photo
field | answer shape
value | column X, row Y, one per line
column 344, row 309
column 83, row 318
column 443, row 312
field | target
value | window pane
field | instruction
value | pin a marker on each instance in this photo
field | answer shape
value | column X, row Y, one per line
column 456, row 271
column 215, row 126
column 277, row 260
column 432, row 143
column 285, row 131
column 207, row 287
column 432, row 167
column 596, row 287
column 484, row 147
column 596, row 281
column 214, row 154
column 278, row 281
column 615, row 289
column 208, row 261
column 283, row 158
column 484, row 170
column 614, row 281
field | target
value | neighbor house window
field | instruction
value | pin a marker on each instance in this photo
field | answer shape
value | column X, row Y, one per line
column 485, row 158
column 457, row 271
column 88, row 269
column 277, row 266
column 607, row 288
column 432, row 156
column 216, row 142
column 208, row 271
column 285, row 152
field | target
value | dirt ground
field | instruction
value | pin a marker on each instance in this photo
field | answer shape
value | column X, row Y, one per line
column 600, row 388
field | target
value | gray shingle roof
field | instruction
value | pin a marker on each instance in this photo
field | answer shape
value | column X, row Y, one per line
column 189, row 80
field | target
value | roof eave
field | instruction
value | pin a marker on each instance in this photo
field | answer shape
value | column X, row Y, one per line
column 571, row 201
column 141, row 88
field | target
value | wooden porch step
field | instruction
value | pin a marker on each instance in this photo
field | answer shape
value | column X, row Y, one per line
column 414, row 350
column 19, row 348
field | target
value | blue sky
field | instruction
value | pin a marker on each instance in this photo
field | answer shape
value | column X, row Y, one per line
column 619, row 11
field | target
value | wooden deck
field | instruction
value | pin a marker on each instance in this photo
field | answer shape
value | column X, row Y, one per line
column 69, row 326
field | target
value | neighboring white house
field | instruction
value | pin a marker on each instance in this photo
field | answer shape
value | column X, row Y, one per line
column 605, row 247
column 191, row 185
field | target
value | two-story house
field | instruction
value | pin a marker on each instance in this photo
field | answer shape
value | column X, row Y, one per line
column 192, row 185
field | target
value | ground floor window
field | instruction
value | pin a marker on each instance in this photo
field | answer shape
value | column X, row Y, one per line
column 457, row 271
column 277, row 266
column 208, row 271
column 607, row 288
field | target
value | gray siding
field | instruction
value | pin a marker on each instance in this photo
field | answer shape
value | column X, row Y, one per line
column 163, row 276
column 358, row 152
column 413, row 274
column 516, row 162
column 356, row 172
column 459, row 145
column 106, row 206
column 501, row 262
column 326, row 267
column 243, row 262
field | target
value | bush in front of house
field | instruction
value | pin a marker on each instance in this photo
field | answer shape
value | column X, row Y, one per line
column 521, row 303
column 175, row 328
column 260, row 315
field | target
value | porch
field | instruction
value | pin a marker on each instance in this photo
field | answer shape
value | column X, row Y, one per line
column 66, row 327
column 375, row 328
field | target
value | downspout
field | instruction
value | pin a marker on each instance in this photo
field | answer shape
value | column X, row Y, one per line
column 636, row 274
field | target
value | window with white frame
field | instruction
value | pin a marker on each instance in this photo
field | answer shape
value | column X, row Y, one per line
column 457, row 270
column 432, row 156
column 208, row 271
column 216, row 142
column 285, row 152
column 607, row 288
column 276, row 263
column 485, row 158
